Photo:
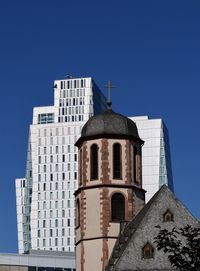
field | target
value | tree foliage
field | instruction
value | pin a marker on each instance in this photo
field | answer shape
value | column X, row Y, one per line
column 182, row 246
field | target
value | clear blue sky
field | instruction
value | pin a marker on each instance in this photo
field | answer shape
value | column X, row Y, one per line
column 149, row 49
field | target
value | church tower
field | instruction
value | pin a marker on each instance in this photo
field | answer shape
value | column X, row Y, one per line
column 110, row 186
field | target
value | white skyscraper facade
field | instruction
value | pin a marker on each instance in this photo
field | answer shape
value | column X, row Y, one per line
column 156, row 160
column 45, row 200
column 45, row 197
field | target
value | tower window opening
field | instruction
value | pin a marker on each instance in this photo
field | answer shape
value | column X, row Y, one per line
column 94, row 162
column 117, row 161
column 118, row 207
column 77, row 213
column 135, row 164
column 81, row 167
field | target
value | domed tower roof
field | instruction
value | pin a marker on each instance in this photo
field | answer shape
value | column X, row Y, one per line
column 110, row 125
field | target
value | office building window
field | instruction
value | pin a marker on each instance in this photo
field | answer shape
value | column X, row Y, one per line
column 50, row 232
column 45, row 118
column 68, row 222
column 68, row 241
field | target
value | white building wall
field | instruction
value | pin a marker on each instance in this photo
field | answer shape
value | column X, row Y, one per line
column 54, row 181
column 154, row 153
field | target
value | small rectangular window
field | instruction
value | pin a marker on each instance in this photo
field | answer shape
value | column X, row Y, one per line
column 68, row 203
column 68, row 222
column 50, row 232
column 75, row 175
column 45, row 118
column 68, row 241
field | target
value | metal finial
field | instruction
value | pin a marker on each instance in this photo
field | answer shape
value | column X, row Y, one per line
column 108, row 86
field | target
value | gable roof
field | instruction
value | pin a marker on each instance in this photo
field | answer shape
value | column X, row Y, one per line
column 131, row 227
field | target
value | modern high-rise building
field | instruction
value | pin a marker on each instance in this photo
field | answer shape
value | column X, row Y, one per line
column 156, row 160
column 45, row 197
column 45, row 200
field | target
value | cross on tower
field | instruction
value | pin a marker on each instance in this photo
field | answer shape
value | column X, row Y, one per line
column 108, row 86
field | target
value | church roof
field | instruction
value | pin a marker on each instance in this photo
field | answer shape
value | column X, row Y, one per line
column 109, row 124
column 131, row 227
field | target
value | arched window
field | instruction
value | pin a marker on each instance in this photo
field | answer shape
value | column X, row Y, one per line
column 77, row 213
column 135, row 154
column 117, row 161
column 94, row 162
column 81, row 167
column 118, row 207
column 168, row 216
column 147, row 251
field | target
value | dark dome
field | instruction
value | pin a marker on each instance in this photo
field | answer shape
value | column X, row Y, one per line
column 109, row 123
